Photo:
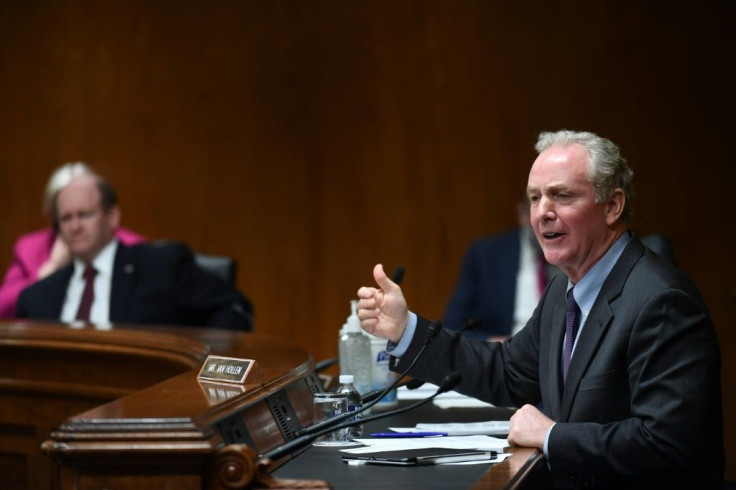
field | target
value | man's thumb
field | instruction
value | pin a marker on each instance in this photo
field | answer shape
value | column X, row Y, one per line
column 386, row 284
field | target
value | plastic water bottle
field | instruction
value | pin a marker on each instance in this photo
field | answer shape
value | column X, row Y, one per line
column 355, row 352
column 355, row 402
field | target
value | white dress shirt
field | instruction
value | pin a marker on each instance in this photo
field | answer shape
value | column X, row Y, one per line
column 100, row 312
column 527, row 287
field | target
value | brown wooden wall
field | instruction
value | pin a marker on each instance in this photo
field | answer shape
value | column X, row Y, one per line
column 312, row 139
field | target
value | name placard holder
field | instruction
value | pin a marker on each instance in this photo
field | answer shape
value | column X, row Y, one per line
column 228, row 370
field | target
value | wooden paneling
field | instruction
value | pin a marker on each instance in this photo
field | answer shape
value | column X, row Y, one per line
column 311, row 140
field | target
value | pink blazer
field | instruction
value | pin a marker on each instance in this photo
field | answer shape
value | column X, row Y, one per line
column 29, row 253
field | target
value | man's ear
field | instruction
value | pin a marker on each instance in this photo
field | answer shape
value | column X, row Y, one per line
column 615, row 206
column 113, row 217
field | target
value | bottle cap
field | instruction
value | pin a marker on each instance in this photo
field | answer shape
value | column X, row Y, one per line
column 346, row 379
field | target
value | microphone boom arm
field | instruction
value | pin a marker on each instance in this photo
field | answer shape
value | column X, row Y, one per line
column 448, row 383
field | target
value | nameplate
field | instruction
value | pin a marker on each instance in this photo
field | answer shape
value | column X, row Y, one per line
column 227, row 369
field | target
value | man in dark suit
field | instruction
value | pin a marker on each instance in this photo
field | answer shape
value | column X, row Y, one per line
column 501, row 280
column 110, row 282
column 617, row 373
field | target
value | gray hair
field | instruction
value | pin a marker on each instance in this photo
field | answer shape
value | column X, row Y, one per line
column 63, row 176
column 608, row 169
column 58, row 180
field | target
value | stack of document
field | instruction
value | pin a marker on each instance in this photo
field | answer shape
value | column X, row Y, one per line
column 421, row 457
column 489, row 428
column 478, row 442
column 481, row 443
column 471, row 435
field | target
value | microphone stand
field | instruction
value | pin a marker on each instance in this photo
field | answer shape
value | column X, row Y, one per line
column 239, row 466
column 448, row 383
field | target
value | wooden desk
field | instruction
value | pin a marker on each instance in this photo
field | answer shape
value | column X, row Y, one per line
column 515, row 473
column 49, row 373
column 130, row 413
column 326, row 462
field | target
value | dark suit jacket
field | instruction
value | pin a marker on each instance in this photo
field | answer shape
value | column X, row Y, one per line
column 155, row 284
column 641, row 407
column 486, row 287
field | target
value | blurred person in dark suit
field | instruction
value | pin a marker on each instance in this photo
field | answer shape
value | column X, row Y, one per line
column 109, row 282
column 39, row 253
column 501, row 280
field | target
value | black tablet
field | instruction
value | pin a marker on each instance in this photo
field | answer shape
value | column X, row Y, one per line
column 416, row 457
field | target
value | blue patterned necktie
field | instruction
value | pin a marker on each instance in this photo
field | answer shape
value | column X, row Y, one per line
column 572, row 319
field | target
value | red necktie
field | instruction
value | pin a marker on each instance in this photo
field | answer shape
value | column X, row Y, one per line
column 88, row 296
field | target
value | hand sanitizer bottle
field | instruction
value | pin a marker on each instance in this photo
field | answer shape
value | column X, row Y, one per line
column 355, row 352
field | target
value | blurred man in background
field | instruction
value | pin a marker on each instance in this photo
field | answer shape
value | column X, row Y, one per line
column 108, row 281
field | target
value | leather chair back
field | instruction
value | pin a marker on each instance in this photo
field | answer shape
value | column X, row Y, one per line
column 219, row 265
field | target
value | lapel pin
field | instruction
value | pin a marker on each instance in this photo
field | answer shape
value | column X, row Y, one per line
column 128, row 269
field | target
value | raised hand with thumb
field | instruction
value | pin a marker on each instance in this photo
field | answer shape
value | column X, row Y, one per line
column 383, row 311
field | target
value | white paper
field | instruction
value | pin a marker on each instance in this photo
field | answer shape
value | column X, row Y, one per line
column 424, row 391
column 450, row 399
column 464, row 402
column 483, row 443
column 489, row 428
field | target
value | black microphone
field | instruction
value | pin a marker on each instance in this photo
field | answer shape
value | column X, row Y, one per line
column 398, row 274
column 448, row 383
column 413, row 384
column 472, row 323
column 432, row 331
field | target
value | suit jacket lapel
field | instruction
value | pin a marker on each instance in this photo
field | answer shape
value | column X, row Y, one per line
column 123, row 280
column 56, row 292
column 599, row 319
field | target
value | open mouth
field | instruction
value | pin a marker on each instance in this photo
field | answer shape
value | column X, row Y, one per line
column 551, row 235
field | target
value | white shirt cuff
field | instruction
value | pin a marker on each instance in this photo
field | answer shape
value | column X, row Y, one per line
column 546, row 446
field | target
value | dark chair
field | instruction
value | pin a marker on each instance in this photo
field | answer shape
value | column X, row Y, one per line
column 661, row 245
column 220, row 265
column 224, row 267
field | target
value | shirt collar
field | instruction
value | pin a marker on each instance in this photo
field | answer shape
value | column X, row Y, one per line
column 103, row 263
column 588, row 287
column 529, row 240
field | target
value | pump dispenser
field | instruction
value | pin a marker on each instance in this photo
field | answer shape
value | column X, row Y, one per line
column 353, row 322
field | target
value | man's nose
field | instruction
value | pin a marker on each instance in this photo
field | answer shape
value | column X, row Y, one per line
column 544, row 211
column 75, row 222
